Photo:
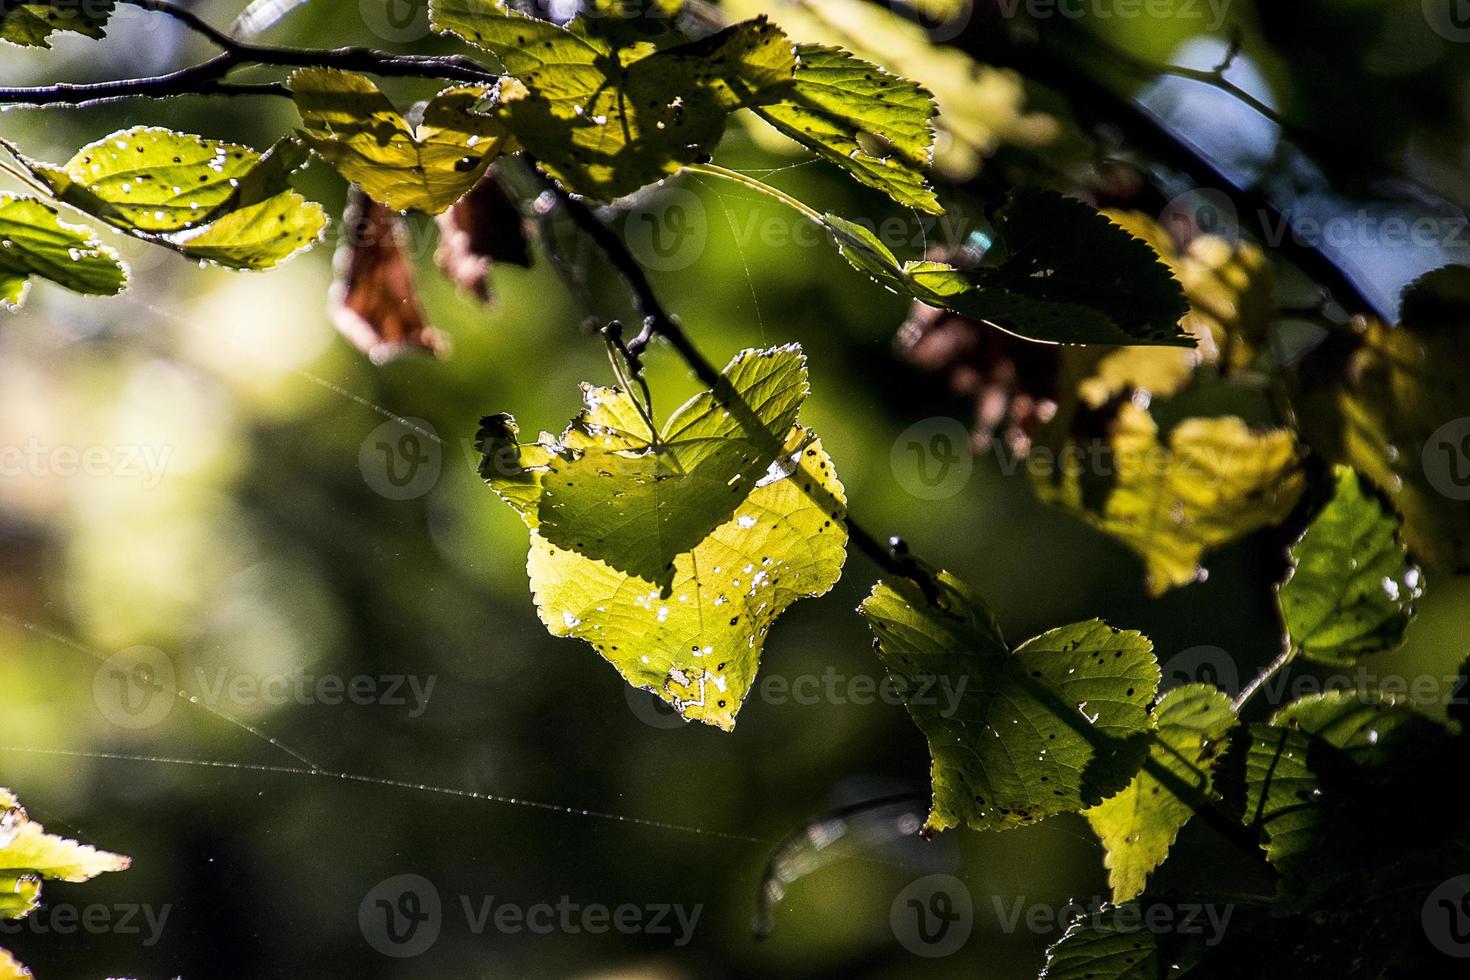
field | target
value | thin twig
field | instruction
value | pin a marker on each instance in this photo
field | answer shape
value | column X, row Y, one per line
column 1272, row 669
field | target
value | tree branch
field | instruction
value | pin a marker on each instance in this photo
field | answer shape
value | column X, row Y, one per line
column 208, row 77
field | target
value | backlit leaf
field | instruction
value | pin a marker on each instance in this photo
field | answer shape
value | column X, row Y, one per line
column 34, row 241
column 875, row 125
column 980, row 106
column 1391, row 402
column 258, row 237
column 614, row 491
column 1210, row 482
column 351, row 124
column 607, row 118
column 1138, row 826
column 10, row 968
column 156, row 180
column 1351, row 588
column 31, row 24
column 1067, row 276
column 208, row 200
column 28, row 854
column 1058, row 724
column 673, row 558
column 1232, row 303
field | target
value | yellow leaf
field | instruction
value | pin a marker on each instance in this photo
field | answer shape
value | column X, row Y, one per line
column 1214, row 481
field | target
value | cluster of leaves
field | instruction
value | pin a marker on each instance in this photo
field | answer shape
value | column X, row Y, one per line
column 605, row 105
column 27, row 856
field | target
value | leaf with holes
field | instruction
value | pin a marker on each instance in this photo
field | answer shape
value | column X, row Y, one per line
column 31, row 24
column 1138, row 826
column 28, row 854
column 1056, row 725
column 351, row 124
column 158, row 181
column 34, row 241
column 1065, row 275
column 241, row 213
column 876, row 126
column 1210, row 482
column 605, row 116
column 1351, row 588
column 673, row 553
column 261, row 236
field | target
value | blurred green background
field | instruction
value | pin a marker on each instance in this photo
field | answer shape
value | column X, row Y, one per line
column 266, row 546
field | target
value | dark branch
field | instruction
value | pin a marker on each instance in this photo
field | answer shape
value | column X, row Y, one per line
column 208, row 77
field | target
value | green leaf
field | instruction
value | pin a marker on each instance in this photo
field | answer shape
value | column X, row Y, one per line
column 1138, row 826
column 606, row 119
column 1054, row 726
column 1067, row 276
column 34, row 241
column 241, row 214
column 351, row 124
column 615, row 491
column 1212, row 482
column 875, row 125
column 1351, row 588
column 1115, row 943
column 258, row 237
column 157, row 181
column 674, row 556
column 1329, row 773
column 31, row 24
column 1223, row 936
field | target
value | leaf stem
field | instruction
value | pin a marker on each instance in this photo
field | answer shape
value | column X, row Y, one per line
column 24, row 178
column 1275, row 667
column 753, row 183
